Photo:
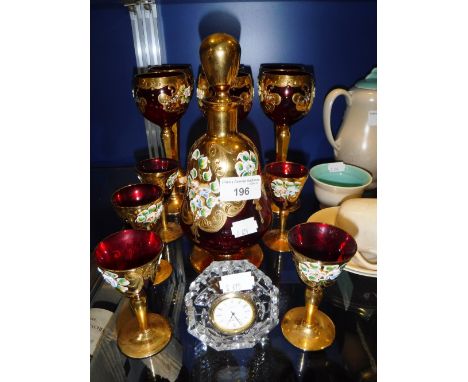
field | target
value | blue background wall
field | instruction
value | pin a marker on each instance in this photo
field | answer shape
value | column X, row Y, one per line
column 337, row 38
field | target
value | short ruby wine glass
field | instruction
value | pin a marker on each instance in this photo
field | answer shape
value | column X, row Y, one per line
column 320, row 252
column 162, row 172
column 128, row 261
column 141, row 206
column 283, row 182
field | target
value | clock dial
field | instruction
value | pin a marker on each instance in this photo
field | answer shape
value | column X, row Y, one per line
column 233, row 314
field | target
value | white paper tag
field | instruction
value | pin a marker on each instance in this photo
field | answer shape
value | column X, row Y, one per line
column 237, row 282
column 238, row 188
column 99, row 319
column 244, row 227
column 336, row 167
column 372, row 118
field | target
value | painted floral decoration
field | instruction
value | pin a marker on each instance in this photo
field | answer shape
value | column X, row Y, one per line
column 203, row 189
column 285, row 188
column 317, row 273
column 200, row 93
column 171, row 180
column 113, row 279
column 246, row 164
column 150, row 215
column 183, row 94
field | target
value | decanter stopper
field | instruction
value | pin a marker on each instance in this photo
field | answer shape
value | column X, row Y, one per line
column 220, row 59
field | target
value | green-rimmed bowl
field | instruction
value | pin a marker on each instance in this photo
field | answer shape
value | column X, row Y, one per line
column 336, row 182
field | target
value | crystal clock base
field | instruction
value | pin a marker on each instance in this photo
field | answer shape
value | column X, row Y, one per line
column 231, row 305
column 136, row 344
column 316, row 337
column 200, row 258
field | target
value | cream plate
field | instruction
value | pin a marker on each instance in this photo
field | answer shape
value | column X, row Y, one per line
column 328, row 215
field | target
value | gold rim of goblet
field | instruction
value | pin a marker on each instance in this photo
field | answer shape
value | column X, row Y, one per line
column 288, row 162
column 158, row 80
column 114, row 204
column 296, row 253
column 157, row 173
column 293, row 79
column 117, row 271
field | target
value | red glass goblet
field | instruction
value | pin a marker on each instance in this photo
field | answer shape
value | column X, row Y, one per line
column 175, row 201
column 128, row 261
column 141, row 206
column 163, row 173
column 163, row 97
column 320, row 252
column 286, row 97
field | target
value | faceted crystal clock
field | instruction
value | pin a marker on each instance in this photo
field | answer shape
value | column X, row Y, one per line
column 231, row 305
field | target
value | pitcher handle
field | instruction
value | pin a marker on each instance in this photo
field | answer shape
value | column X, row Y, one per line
column 327, row 107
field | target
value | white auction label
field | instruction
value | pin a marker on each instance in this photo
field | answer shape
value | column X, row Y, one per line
column 244, row 227
column 336, row 167
column 238, row 188
column 237, row 282
column 372, row 118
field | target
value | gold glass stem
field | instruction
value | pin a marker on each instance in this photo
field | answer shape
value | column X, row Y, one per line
column 313, row 297
column 167, row 138
column 283, row 218
column 164, row 219
column 138, row 304
column 175, row 130
column 282, row 142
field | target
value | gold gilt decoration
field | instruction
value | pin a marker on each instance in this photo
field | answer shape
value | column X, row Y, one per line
column 173, row 81
column 246, row 100
column 205, row 210
column 303, row 103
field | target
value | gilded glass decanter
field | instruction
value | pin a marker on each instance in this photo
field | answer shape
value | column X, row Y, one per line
column 225, row 210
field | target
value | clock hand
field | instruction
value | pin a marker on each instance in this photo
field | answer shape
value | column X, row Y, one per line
column 236, row 318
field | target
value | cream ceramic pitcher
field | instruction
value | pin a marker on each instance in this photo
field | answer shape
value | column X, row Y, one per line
column 356, row 142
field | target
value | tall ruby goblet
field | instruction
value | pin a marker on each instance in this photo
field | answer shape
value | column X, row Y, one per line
column 320, row 252
column 175, row 201
column 163, row 97
column 128, row 261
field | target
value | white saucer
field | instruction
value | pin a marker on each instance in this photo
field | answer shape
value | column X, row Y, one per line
column 328, row 215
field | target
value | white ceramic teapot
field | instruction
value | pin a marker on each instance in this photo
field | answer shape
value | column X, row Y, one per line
column 356, row 142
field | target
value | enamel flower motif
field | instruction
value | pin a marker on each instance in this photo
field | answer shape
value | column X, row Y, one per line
column 184, row 94
column 285, row 189
column 170, row 181
column 246, row 164
column 200, row 93
column 203, row 191
column 318, row 273
column 150, row 215
column 114, row 280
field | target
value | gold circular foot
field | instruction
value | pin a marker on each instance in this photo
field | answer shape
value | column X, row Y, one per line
column 172, row 233
column 201, row 258
column 275, row 209
column 136, row 344
column 317, row 337
column 276, row 240
column 174, row 204
column 163, row 272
